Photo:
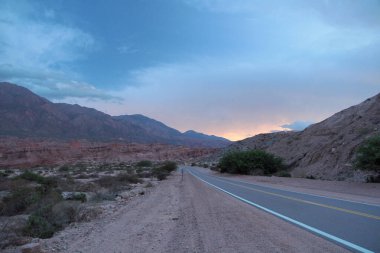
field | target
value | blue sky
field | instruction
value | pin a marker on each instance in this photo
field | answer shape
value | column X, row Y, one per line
column 229, row 68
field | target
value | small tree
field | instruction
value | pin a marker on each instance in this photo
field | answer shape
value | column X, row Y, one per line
column 248, row 162
column 368, row 154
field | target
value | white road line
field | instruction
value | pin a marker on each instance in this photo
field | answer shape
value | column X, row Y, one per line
column 315, row 230
column 286, row 190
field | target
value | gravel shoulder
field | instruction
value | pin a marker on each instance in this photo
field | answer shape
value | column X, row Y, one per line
column 187, row 216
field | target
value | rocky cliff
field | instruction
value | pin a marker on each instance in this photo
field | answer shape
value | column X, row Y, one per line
column 324, row 150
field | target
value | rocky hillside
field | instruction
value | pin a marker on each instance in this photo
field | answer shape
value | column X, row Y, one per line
column 164, row 134
column 27, row 153
column 324, row 150
column 24, row 114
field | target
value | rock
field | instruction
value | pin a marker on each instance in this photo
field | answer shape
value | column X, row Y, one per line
column 31, row 248
column 74, row 196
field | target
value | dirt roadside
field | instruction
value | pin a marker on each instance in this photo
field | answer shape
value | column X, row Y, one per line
column 187, row 216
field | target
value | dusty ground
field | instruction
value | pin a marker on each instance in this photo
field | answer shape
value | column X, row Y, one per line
column 187, row 216
column 353, row 191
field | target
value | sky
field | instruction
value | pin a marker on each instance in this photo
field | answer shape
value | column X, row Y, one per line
column 229, row 68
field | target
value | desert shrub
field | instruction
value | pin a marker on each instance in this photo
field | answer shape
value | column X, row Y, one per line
column 103, row 195
column 161, row 172
column 168, row 166
column 30, row 176
column 80, row 197
column 64, row 213
column 128, row 178
column 39, row 226
column 162, row 175
column 87, row 176
column 193, row 164
column 144, row 163
column 310, row 177
column 3, row 174
column 250, row 162
column 373, row 179
column 368, row 154
column 19, row 200
column 118, row 182
column 64, row 168
column 46, row 182
column 106, row 182
column 48, row 219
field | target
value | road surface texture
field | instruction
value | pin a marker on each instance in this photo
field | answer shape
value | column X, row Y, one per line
column 188, row 215
column 353, row 225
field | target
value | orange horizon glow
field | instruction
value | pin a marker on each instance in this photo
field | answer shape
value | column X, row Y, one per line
column 243, row 133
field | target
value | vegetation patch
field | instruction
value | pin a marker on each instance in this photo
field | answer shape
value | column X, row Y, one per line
column 251, row 162
column 144, row 163
column 368, row 154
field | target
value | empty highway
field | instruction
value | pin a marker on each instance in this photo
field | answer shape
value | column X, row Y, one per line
column 353, row 225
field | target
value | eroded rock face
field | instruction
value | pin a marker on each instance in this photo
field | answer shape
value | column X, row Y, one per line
column 324, row 150
column 26, row 153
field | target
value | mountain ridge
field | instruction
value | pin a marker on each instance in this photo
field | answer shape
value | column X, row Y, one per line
column 25, row 114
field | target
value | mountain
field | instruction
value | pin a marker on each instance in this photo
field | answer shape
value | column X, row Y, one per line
column 163, row 133
column 325, row 150
column 25, row 114
column 200, row 136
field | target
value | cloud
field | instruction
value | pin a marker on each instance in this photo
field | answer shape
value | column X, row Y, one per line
column 37, row 51
column 233, row 97
column 297, row 125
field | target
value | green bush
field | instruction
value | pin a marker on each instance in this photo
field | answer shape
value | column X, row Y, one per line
column 368, row 154
column 169, row 166
column 19, row 200
column 128, row 178
column 64, row 168
column 39, row 226
column 80, row 197
column 250, row 162
column 30, row 176
column 161, row 175
column 144, row 163
column 3, row 174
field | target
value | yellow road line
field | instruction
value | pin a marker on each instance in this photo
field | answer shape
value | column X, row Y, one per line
column 307, row 202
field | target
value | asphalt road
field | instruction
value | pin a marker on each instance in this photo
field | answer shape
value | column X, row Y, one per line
column 353, row 225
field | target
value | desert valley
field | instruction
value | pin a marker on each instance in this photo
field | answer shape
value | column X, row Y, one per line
column 183, row 126
column 59, row 181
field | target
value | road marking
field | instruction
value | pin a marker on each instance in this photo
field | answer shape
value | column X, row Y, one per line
column 307, row 201
column 315, row 230
column 310, row 194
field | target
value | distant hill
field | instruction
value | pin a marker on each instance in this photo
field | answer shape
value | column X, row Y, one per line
column 200, row 136
column 25, row 114
column 324, row 150
column 162, row 133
